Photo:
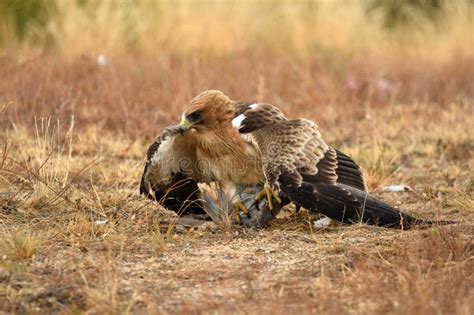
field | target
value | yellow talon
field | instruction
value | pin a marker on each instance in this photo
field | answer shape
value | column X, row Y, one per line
column 269, row 194
column 236, row 217
column 239, row 206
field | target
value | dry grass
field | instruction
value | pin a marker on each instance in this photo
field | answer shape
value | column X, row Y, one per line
column 75, row 236
column 19, row 245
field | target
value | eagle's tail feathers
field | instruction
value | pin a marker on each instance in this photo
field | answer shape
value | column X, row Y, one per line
column 350, row 205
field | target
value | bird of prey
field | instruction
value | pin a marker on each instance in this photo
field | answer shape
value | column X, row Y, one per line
column 167, row 178
column 242, row 145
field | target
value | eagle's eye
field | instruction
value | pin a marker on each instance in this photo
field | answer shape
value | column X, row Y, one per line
column 194, row 117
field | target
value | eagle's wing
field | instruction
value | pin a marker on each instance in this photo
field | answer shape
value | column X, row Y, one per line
column 167, row 175
column 349, row 172
column 250, row 117
column 298, row 162
column 253, row 116
column 294, row 148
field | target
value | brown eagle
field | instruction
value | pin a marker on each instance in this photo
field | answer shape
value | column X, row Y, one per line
column 243, row 145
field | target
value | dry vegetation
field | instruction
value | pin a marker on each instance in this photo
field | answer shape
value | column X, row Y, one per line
column 76, row 237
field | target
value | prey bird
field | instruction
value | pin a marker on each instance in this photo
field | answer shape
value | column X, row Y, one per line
column 243, row 145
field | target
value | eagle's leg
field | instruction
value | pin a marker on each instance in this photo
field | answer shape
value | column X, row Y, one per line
column 239, row 207
column 236, row 216
column 270, row 194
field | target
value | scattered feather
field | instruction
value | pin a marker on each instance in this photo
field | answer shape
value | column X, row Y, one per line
column 397, row 188
column 322, row 223
column 101, row 222
column 101, row 60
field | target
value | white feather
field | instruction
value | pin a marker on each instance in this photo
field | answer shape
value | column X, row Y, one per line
column 253, row 106
column 158, row 155
column 237, row 121
column 101, row 60
column 322, row 223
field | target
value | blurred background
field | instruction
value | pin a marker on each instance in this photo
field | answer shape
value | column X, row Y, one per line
column 132, row 65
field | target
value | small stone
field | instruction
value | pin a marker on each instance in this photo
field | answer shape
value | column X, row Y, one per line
column 180, row 228
column 209, row 226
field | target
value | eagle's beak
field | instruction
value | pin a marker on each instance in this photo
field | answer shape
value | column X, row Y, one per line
column 184, row 125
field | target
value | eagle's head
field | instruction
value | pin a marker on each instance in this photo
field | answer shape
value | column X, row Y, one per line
column 210, row 110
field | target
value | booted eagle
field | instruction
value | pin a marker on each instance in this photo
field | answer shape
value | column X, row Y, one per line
column 243, row 145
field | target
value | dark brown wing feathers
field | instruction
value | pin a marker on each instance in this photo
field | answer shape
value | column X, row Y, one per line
column 289, row 137
column 317, row 177
column 348, row 172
